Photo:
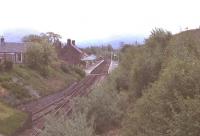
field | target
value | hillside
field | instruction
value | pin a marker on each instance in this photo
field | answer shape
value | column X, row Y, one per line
column 161, row 79
column 154, row 92
column 23, row 84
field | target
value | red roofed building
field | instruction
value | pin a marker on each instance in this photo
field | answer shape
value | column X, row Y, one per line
column 72, row 54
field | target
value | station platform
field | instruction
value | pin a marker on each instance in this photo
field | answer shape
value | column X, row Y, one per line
column 113, row 65
column 92, row 67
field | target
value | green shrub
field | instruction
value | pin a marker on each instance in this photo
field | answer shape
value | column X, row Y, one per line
column 76, row 125
column 65, row 68
column 5, row 77
column 122, row 83
column 22, row 72
column 1, row 67
column 17, row 90
column 101, row 107
column 79, row 71
column 8, row 65
column 169, row 107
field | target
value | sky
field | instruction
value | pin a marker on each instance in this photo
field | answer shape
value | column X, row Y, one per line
column 97, row 19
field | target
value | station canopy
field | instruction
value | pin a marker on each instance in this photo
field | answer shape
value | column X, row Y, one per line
column 89, row 58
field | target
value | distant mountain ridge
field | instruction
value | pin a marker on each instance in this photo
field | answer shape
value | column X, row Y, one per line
column 116, row 41
column 16, row 35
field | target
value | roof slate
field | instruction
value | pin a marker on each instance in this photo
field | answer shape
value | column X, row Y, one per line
column 75, row 47
column 10, row 47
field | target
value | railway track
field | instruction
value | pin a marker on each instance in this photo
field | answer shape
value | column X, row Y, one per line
column 60, row 101
column 64, row 100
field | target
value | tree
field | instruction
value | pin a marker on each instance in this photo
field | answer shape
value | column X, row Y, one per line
column 33, row 38
column 50, row 37
column 40, row 56
column 169, row 106
column 76, row 125
column 53, row 37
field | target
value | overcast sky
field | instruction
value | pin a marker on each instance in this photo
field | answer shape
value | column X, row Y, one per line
column 93, row 19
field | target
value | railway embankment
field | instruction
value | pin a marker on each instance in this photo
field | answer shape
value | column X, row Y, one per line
column 22, row 84
column 60, row 102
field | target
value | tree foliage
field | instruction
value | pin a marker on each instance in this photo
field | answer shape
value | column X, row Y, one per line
column 169, row 103
column 40, row 55
column 104, row 50
column 6, row 65
column 92, row 115
column 76, row 125
column 49, row 37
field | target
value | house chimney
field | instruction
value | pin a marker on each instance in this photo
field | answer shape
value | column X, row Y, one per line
column 2, row 41
column 73, row 42
column 69, row 42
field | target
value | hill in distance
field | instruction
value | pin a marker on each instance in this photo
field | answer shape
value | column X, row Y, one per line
column 115, row 41
column 16, row 35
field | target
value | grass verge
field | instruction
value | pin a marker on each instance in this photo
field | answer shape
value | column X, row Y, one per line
column 7, row 115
